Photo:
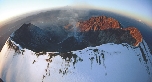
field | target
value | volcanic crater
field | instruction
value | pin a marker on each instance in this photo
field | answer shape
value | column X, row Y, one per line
column 92, row 32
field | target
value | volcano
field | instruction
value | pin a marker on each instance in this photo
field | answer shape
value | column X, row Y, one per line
column 93, row 50
column 92, row 32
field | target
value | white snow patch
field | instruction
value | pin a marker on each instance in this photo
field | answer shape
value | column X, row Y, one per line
column 107, row 63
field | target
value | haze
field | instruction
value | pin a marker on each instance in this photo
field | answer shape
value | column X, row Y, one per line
column 138, row 9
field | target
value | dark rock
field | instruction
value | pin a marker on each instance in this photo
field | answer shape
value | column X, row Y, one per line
column 31, row 37
column 1, row 80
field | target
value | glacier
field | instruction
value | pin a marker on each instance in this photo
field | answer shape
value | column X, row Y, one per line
column 105, row 63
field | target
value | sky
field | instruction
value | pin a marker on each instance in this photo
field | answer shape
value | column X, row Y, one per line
column 138, row 9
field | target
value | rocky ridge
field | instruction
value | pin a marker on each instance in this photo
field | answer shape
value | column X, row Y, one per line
column 93, row 32
column 98, row 23
column 103, row 23
column 135, row 34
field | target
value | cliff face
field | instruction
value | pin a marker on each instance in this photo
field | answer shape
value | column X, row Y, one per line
column 31, row 37
column 103, row 23
column 135, row 34
column 98, row 23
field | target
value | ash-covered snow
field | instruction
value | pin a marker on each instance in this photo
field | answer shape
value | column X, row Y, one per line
column 105, row 63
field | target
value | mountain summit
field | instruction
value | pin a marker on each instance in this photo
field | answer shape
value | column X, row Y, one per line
column 86, row 51
column 105, row 23
column 31, row 37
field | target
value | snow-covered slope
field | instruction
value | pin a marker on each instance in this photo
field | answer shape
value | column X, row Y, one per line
column 105, row 63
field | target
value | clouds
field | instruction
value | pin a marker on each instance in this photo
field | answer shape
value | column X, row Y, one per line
column 139, row 9
column 11, row 8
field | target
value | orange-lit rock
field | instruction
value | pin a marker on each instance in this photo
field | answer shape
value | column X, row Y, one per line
column 135, row 34
column 103, row 23
column 98, row 23
column 69, row 26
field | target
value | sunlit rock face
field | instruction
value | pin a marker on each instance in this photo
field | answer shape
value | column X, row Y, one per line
column 102, row 23
column 76, row 53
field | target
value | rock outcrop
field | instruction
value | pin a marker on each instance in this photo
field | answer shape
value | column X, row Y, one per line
column 98, row 23
column 103, row 23
column 31, row 37
column 135, row 34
